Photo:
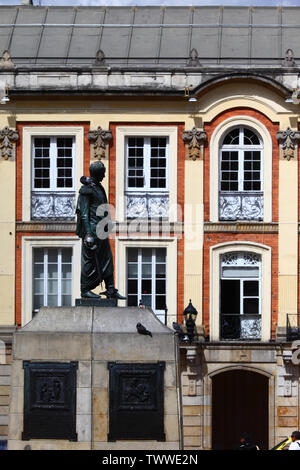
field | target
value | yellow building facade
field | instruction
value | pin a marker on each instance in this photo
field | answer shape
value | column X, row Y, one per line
column 204, row 194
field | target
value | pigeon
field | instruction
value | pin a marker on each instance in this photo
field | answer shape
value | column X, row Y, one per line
column 142, row 330
column 178, row 329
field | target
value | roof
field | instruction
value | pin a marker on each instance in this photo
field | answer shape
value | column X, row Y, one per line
column 149, row 36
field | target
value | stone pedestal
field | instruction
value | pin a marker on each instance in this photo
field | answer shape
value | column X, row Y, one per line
column 92, row 341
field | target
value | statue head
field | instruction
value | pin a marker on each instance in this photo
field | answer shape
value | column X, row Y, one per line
column 97, row 171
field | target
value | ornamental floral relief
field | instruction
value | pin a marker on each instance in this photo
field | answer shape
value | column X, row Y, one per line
column 99, row 139
column 8, row 137
column 288, row 141
column 194, row 139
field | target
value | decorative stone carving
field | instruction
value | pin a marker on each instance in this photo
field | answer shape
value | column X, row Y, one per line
column 147, row 205
column 241, row 206
column 193, row 58
column 195, row 140
column 6, row 61
column 52, row 205
column 99, row 138
column 8, row 137
column 288, row 140
column 289, row 58
column 100, row 58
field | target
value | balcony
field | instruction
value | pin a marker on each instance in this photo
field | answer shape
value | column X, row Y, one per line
column 240, row 205
column 240, row 327
column 147, row 205
column 292, row 327
column 53, row 205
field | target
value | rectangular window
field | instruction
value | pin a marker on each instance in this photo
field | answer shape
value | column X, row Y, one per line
column 146, row 279
column 53, row 163
column 52, row 277
column 240, row 302
column 147, row 163
column 147, row 182
column 53, row 185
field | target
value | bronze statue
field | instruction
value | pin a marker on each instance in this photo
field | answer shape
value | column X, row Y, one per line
column 96, row 256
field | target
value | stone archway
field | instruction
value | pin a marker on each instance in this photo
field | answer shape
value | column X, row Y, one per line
column 240, row 403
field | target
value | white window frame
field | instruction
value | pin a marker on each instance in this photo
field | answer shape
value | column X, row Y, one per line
column 122, row 243
column 159, row 313
column 241, row 149
column 122, row 133
column 147, row 168
column 215, row 275
column 215, row 144
column 53, row 164
column 27, row 158
column 242, row 279
column 31, row 242
column 59, row 274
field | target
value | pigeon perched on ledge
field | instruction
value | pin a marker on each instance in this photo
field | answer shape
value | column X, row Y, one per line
column 178, row 329
column 142, row 330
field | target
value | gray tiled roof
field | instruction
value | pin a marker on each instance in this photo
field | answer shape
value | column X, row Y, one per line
column 149, row 35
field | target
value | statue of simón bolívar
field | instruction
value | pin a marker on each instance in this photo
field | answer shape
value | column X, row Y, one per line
column 96, row 256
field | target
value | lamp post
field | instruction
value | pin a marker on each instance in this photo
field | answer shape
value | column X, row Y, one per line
column 190, row 315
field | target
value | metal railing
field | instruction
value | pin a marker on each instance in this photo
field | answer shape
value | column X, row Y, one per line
column 292, row 326
column 240, row 327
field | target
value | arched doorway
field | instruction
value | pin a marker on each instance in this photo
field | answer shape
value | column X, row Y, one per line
column 239, row 404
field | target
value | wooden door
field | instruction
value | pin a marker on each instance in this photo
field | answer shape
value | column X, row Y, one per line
column 239, row 404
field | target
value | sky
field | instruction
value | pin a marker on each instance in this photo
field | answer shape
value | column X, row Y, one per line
column 158, row 2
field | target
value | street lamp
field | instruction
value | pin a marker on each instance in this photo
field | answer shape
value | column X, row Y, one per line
column 190, row 315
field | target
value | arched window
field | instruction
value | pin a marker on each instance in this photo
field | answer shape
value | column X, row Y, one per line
column 240, row 296
column 241, row 175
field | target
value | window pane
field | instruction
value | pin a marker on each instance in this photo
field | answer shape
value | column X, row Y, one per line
column 135, row 162
column 38, row 270
column 250, row 138
column 66, row 301
column 251, row 288
column 66, row 271
column 232, row 138
column 132, row 301
column 146, row 271
column 132, row 254
column 160, row 302
column 52, row 271
column 38, row 286
column 146, row 255
column 64, row 163
column 251, row 306
column 158, row 165
column 38, row 302
column 41, row 162
column 52, row 255
column 147, row 300
column 52, row 286
column 66, row 287
column 146, row 286
column 240, row 271
column 52, row 301
column 230, row 296
column 132, row 270
column 132, row 286
column 229, row 171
